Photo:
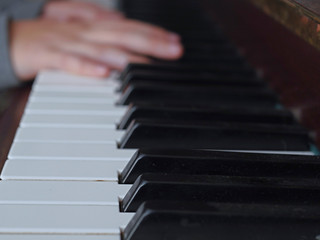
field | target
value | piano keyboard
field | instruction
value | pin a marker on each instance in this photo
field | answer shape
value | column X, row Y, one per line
column 194, row 149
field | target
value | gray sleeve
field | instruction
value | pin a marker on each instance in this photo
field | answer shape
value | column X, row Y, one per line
column 7, row 75
column 25, row 9
column 17, row 10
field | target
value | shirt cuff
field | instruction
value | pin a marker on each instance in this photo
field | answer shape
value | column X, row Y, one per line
column 7, row 75
column 27, row 9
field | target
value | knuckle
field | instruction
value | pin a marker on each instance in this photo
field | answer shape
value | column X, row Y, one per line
column 99, row 53
column 69, row 61
column 140, row 41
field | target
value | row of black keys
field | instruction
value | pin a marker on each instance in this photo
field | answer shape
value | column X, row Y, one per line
column 210, row 99
column 178, row 113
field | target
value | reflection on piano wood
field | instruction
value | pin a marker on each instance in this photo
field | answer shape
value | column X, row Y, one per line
column 200, row 148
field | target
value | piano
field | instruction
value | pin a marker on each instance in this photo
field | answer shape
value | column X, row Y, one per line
column 221, row 144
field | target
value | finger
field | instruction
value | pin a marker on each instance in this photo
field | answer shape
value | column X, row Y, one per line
column 73, row 63
column 154, row 47
column 112, row 56
column 148, row 30
column 147, row 43
column 141, row 44
column 136, row 27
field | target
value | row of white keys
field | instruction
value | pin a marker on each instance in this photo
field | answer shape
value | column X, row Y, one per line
column 52, row 167
column 74, row 159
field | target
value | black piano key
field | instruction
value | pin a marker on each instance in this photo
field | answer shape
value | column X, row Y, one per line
column 143, row 133
column 220, row 70
column 181, row 220
column 205, row 188
column 186, row 68
column 191, row 75
column 199, row 84
column 158, row 77
column 233, row 95
column 172, row 65
column 190, row 162
column 212, row 114
column 144, row 77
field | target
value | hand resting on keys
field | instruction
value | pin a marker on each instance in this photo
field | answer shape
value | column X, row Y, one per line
column 87, row 41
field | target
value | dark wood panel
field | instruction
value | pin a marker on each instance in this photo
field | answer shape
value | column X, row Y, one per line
column 289, row 63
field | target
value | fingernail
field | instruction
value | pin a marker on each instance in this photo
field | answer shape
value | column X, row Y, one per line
column 175, row 49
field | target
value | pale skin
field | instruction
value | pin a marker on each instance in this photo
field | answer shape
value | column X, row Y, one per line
column 84, row 39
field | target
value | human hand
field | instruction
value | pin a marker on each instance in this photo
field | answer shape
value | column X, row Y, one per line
column 87, row 48
column 76, row 10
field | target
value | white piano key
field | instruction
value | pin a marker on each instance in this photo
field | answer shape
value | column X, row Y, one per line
column 57, row 237
column 68, row 151
column 58, row 78
column 62, row 192
column 47, row 99
column 68, row 134
column 83, row 95
column 74, row 88
column 85, row 107
column 112, row 111
column 76, row 120
column 59, row 219
column 62, row 170
column 116, row 112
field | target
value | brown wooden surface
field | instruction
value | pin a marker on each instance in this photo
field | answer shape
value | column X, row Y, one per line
column 300, row 16
column 12, row 106
column 289, row 64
